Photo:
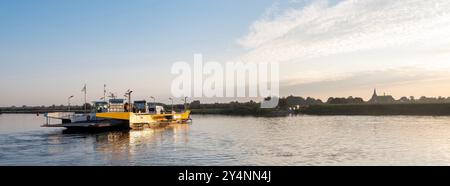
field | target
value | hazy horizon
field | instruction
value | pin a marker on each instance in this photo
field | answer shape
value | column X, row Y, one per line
column 228, row 100
column 326, row 48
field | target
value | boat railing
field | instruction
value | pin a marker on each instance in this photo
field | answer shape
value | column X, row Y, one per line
column 59, row 115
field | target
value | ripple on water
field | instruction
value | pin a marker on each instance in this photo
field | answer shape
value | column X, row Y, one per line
column 223, row 140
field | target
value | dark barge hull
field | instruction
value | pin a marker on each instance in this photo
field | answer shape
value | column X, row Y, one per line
column 93, row 125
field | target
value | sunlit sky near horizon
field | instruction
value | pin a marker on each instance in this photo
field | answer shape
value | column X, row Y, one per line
column 50, row 48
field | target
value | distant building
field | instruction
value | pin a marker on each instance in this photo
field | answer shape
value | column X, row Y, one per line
column 195, row 104
column 381, row 99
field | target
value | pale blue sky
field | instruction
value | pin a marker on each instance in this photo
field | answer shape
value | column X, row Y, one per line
column 50, row 32
column 50, row 48
column 66, row 43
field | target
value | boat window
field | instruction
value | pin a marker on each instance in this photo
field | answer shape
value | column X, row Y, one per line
column 116, row 105
column 139, row 106
column 100, row 107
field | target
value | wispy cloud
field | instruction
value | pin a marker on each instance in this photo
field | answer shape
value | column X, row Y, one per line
column 397, row 75
column 321, row 29
column 357, row 82
column 329, row 47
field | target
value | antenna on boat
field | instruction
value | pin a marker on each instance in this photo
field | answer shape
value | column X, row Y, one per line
column 128, row 94
column 154, row 100
column 171, row 99
column 104, row 92
column 112, row 95
column 85, row 92
column 185, row 103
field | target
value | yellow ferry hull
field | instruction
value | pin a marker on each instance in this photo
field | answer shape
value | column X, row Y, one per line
column 138, row 120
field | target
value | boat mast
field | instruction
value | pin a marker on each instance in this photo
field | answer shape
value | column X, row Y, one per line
column 68, row 102
column 171, row 99
column 185, row 103
column 128, row 94
column 85, row 103
column 104, row 92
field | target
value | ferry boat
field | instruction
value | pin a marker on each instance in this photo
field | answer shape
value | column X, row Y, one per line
column 118, row 114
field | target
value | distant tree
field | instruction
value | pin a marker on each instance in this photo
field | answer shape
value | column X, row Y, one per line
column 349, row 100
column 88, row 106
column 294, row 100
column 311, row 101
column 195, row 104
column 403, row 99
column 330, row 100
column 358, row 100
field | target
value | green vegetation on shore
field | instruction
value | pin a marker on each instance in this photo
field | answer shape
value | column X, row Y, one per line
column 334, row 106
column 235, row 108
column 43, row 109
column 290, row 105
column 419, row 109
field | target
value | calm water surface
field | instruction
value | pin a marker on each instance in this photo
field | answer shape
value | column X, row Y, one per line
column 227, row 140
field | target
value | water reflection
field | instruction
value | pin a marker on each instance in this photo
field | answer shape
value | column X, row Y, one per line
column 65, row 147
column 221, row 140
column 122, row 146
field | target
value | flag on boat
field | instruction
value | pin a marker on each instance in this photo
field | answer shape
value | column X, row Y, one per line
column 84, row 88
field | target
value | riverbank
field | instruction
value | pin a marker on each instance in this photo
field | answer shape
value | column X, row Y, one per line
column 32, row 111
column 418, row 109
column 422, row 109
column 243, row 112
column 409, row 109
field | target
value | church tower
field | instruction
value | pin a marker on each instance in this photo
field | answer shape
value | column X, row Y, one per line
column 374, row 96
column 381, row 99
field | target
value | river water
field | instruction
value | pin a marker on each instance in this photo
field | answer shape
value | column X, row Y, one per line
column 231, row 140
